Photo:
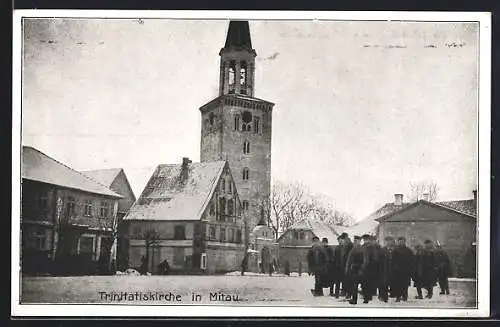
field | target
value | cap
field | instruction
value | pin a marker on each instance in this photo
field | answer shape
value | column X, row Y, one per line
column 427, row 242
column 324, row 240
column 365, row 237
column 343, row 235
column 389, row 238
column 401, row 238
column 356, row 237
column 315, row 238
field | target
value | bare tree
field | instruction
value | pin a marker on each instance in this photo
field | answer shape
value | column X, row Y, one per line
column 423, row 189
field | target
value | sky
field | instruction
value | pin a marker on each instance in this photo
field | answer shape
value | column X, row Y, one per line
column 361, row 108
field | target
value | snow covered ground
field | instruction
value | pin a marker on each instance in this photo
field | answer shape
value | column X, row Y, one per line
column 232, row 289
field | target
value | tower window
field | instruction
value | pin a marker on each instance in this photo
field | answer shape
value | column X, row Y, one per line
column 222, row 208
column 232, row 77
column 245, row 205
column 237, row 122
column 222, row 234
column 247, row 121
column 256, row 123
column 229, row 187
column 243, row 78
column 211, row 119
column 246, row 147
column 246, row 174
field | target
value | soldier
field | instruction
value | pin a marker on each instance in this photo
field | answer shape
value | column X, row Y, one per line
column 443, row 268
column 316, row 259
column 426, row 268
column 346, row 248
column 329, row 267
column 338, row 268
column 355, row 260
column 377, row 265
column 417, row 275
column 402, row 270
column 386, row 269
column 367, row 272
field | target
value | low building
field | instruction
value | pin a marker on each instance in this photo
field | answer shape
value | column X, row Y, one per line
column 190, row 215
column 451, row 223
column 263, row 250
column 116, row 180
column 296, row 241
column 68, row 220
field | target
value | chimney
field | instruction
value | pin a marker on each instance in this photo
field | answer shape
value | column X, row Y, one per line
column 398, row 199
column 425, row 196
column 185, row 169
column 475, row 195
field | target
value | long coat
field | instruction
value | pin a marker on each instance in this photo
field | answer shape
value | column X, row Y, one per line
column 386, row 265
column 402, row 265
column 317, row 260
column 442, row 261
column 330, row 270
column 425, row 269
column 358, row 257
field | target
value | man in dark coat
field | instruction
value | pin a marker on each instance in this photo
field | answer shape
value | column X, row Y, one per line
column 357, row 256
column 426, row 268
column 347, row 246
column 164, row 267
column 377, row 265
column 386, row 269
column 368, row 269
column 316, row 260
column 338, row 268
column 443, row 268
column 417, row 274
column 328, row 277
column 402, row 270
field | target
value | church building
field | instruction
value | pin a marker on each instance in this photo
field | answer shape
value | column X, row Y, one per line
column 236, row 126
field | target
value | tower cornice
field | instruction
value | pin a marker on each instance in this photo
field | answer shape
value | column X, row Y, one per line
column 238, row 100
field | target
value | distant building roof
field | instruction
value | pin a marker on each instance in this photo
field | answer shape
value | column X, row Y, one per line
column 166, row 197
column 103, row 176
column 39, row 167
column 468, row 207
column 319, row 229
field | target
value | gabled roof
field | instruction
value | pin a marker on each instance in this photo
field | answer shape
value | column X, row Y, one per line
column 103, row 176
column 468, row 207
column 319, row 229
column 39, row 167
column 165, row 197
column 420, row 202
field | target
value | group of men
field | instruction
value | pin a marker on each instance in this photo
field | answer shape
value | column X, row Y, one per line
column 380, row 271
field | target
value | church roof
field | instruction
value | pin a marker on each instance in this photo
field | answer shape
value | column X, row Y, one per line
column 238, row 35
column 39, row 167
column 103, row 176
column 167, row 197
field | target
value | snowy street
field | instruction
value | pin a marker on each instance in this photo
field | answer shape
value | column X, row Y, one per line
column 229, row 290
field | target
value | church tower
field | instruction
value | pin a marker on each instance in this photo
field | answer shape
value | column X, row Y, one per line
column 236, row 126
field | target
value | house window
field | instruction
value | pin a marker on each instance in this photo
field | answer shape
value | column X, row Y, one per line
column 212, row 233
column 222, row 208
column 70, row 206
column 246, row 147
column 245, row 205
column 231, row 235
column 230, row 207
column 256, row 123
column 222, row 234
column 295, row 235
column 104, row 209
column 88, row 208
column 246, row 174
column 179, row 232
column 229, row 187
column 238, row 236
column 212, row 209
column 86, row 245
column 237, row 122
column 203, row 262
column 247, row 121
column 178, row 256
column 43, row 200
column 301, row 235
column 37, row 239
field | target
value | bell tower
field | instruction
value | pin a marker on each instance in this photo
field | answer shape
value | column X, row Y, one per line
column 236, row 126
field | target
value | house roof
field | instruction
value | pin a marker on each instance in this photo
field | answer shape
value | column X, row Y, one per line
column 319, row 229
column 165, row 197
column 103, row 176
column 458, row 207
column 468, row 207
column 39, row 167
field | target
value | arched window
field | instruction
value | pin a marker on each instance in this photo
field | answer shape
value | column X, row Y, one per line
column 243, row 78
column 246, row 147
column 247, row 121
column 237, row 122
column 232, row 77
column 212, row 209
column 211, row 119
column 256, row 123
column 223, row 185
column 246, row 173
column 245, row 205
column 229, row 187
column 222, row 207
column 230, row 207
